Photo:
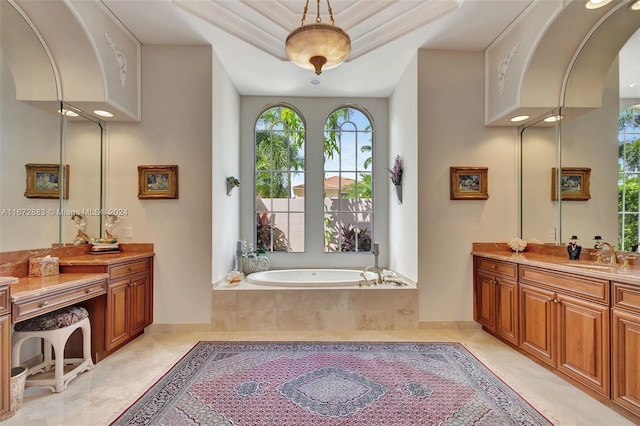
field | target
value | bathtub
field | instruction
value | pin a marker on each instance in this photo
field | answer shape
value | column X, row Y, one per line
column 310, row 278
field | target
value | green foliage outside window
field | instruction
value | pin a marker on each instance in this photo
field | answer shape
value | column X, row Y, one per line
column 628, row 183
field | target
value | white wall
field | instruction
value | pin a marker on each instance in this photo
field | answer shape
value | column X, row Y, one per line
column 226, row 162
column 452, row 133
column 176, row 128
column 403, row 141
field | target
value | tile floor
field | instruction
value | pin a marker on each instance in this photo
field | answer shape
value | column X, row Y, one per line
column 97, row 397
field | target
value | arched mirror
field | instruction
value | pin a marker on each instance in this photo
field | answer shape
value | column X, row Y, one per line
column 582, row 146
column 41, row 137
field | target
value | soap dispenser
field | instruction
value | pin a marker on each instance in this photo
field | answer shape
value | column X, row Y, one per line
column 573, row 248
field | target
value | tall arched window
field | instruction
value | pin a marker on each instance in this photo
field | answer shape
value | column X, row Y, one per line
column 629, row 180
column 279, row 168
column 348, row 181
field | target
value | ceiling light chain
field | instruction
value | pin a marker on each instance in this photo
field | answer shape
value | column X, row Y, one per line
column 304, row 14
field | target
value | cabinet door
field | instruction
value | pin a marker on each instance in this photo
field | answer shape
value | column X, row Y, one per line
column 583, row 342
column 486, row 301
column 5, row 363
column 507, row 310
column 626, row 360
column 537, row 333
column 118, row 321
column 139, row 292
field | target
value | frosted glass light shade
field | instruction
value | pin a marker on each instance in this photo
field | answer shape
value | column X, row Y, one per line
column 318, row 46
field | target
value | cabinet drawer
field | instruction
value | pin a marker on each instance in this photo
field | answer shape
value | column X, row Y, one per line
column 128, row 268
column 5, row 301
column 626, row 296
column 30, row 308
column 595, row 289
column 497, row 267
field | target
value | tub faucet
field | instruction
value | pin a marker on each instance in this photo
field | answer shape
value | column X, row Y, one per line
column 376, row 253
column 375, row 269
column 614, row 256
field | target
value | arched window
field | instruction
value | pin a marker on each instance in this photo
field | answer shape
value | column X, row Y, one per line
column 628, row 182
column 279, row 169
column 348, row 181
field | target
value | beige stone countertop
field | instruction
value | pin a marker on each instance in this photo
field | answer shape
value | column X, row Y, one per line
column 104, row 258
column 28, row 287
column 589, row 268
column 8, row 280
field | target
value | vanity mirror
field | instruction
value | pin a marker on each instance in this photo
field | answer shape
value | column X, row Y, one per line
column 583, row 138
column 36, row 127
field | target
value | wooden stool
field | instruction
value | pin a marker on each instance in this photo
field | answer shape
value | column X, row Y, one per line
column 55, row 328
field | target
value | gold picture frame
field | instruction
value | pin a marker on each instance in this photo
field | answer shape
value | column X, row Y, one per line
column 574, row 184
column 159, row 182
column 43, row 181
column 469, row 183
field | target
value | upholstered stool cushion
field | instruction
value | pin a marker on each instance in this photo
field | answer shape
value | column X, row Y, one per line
column 60, row 318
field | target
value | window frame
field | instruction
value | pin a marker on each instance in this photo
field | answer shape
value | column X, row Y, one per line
column 255, row 172
column 339, row 213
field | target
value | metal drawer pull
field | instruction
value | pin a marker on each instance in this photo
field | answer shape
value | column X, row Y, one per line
column 43, row 304
column 89, row 290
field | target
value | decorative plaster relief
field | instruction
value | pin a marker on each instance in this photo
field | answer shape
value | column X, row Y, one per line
column 120, row 58
column 503, row 67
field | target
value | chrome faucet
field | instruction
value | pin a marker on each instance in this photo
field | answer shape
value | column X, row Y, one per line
column 375, row 269
column 614, row 256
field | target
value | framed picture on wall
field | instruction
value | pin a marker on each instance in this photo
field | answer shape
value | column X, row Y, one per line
column 469, row 183
column 44, row 181
column 574, row 184
column 157, row 182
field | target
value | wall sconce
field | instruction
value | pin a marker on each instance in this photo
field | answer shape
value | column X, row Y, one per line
column 232, row 182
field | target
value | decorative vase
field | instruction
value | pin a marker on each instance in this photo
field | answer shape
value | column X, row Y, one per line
column 255, row 264
column 399, row 193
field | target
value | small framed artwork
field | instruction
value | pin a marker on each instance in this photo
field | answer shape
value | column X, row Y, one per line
column 469, row 183
column 157, row 182
column 574, row 184
column 44, row 181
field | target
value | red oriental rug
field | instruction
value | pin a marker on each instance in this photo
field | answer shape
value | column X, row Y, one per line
column 319, row 383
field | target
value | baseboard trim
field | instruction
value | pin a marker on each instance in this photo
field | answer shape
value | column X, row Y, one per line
column 448, row 325
column 175, row 328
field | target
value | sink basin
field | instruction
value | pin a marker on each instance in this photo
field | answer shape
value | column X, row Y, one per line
column 592, row 266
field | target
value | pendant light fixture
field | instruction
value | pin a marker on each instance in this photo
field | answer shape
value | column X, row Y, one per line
column 318, row 45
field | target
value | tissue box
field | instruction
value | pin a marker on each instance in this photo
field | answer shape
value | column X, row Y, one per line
column 44, row 266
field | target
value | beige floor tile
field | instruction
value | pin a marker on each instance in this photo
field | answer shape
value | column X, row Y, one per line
column 97, row 397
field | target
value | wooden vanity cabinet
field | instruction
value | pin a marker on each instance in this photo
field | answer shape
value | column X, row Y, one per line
column 127, row 308
column 626, row 346
column 565, row 322
column 5, row 350
column 496, row 297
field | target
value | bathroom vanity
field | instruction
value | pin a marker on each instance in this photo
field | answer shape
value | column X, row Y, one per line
column 116, row 289
column 579, row 319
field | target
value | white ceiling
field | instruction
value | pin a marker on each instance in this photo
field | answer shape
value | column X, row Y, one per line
column 248, row 36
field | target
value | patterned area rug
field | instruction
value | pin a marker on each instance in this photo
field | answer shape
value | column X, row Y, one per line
column 313, row 383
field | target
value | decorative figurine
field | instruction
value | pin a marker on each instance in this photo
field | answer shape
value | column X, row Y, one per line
column 573, row 248
column 112, row 221
column 81, row 226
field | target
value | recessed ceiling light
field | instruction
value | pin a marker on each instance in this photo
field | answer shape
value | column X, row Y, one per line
column 553, row 118
column 519, row 118
column 68, row 113
column 595, row 4
column 102, row 113
column 315, row 81
column 635, row 5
